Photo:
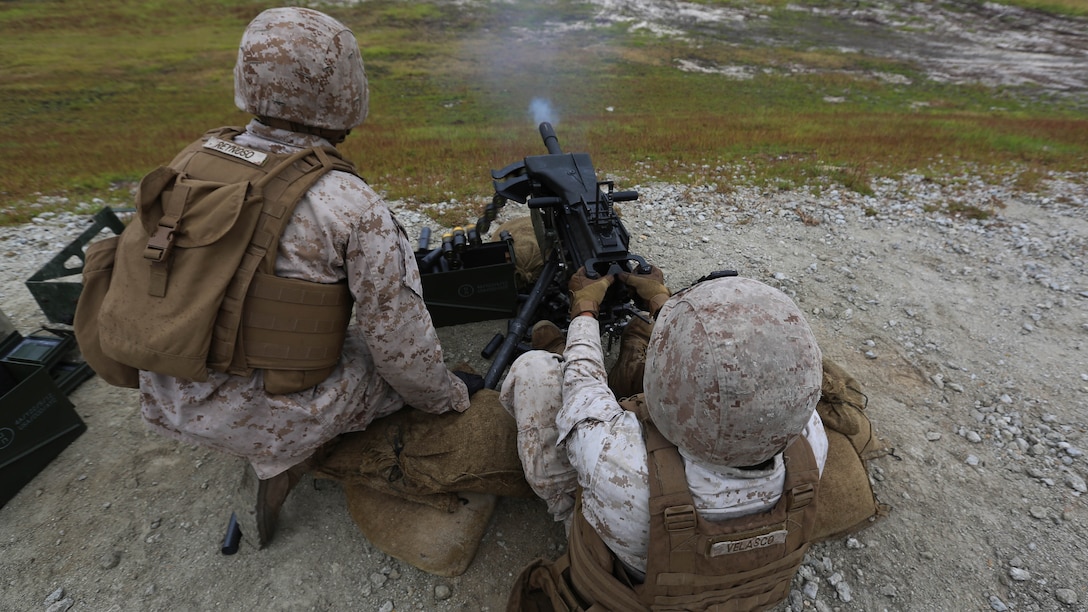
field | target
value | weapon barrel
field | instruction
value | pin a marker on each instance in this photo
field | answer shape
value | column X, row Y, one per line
column 551, row 141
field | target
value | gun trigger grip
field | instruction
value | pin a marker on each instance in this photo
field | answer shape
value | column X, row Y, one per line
column 642, row 267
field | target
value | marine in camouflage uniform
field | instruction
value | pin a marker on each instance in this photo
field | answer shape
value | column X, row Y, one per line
column 573, row 432
column 340, row 230
column 300, row 73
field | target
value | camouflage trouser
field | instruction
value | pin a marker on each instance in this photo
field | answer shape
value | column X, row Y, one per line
column 533, row 394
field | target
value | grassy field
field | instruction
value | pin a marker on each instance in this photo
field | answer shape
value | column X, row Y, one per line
column 97, row 93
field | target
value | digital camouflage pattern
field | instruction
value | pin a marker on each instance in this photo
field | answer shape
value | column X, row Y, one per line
column 341, row 230
column 572, row 431
column 733, row 372
column 300, row 65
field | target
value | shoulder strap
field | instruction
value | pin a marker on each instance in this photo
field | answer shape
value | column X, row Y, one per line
column 287, row 184
column 802, row 480
column 673, row 519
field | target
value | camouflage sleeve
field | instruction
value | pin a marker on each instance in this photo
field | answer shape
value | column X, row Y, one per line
column 585, row 382
column 390, row 311
column 605, row 447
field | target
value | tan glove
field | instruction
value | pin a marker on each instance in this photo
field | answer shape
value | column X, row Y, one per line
column 586, row 294
column 650, row 287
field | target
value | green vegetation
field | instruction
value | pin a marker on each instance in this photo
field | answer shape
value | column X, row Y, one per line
column 1078, row 8
column 1061, row 7
column 99, row 93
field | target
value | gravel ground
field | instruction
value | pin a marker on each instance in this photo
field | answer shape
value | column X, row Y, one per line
column 969, row 337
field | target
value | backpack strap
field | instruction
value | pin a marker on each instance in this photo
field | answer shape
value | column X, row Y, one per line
column 287, row 186
column 802, row 480
column 161, row 242
column 671, row 500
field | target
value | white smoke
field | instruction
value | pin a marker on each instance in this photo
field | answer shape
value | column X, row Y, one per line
column 541, row 110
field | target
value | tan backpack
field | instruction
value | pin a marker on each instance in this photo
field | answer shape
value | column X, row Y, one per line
column 189, row 284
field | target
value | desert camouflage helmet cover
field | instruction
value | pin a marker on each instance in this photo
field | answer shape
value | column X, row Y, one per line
column 733, row 372
column 301, row 65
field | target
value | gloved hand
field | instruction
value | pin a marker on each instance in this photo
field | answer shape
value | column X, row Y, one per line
column 586, row 294
column 650, row 287
column 474, row 382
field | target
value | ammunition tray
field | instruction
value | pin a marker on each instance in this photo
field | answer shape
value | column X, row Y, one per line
column 482, row 289
column 24, row 356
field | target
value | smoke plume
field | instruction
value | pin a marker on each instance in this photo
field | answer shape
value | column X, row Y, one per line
column 540, row 110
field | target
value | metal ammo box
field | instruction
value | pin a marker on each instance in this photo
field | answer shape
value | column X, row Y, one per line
column 37, row 421
column 482, row 289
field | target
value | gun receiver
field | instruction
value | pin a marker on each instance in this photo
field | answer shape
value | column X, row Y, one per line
column 573, row 211
column 576, row 226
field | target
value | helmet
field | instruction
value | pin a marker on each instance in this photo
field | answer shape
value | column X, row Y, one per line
column 733, row 372
column 301, row 66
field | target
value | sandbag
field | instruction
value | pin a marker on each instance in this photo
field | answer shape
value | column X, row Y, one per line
column 842, row 406
column 422, row 487
column 438, row 541
column 529, row 260
column 429, row 458
column 845, row 500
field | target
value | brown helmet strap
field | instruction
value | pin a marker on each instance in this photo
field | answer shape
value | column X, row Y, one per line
column 333, row 136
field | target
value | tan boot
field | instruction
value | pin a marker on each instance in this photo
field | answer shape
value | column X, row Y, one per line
column 258, row 502
column 548, row 337
column 625, row 377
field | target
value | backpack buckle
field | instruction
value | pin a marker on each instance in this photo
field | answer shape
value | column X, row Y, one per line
column 158, row 245
column 679, row 518
column 802, row 495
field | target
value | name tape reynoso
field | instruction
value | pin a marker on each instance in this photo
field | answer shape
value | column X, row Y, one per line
column 250, row 155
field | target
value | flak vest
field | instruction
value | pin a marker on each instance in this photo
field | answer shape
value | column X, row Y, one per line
column 193, row 286
column 737, row 565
